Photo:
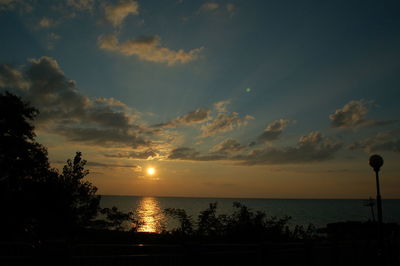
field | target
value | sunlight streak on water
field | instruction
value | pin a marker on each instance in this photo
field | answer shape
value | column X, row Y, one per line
column 150, row 215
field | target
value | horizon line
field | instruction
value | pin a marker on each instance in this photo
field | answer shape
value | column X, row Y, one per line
column 216, row 197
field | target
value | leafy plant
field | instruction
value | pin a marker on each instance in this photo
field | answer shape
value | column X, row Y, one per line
column 242, row 225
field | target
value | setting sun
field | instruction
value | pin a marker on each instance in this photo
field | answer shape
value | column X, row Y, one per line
column 151, row 171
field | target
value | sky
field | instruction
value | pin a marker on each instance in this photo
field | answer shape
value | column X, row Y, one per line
column 256, row 99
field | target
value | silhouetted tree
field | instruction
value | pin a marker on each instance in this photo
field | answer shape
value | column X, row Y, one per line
column 21, row 157
column 82, row 198
column 34, row 198
column 23, row 162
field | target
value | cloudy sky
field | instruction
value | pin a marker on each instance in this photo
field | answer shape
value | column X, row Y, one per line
column 275, row 99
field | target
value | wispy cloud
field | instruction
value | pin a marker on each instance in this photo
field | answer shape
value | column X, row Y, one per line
column 190, row 154
column 24, row 6
column 224, row 122
column 273, row 131
column 81, row 5
column 216, row 8
column 135, row 167
column 227, row 146
column 115, row 14
column 46, row 23
column 312, row 147
column 352, row 115
column 194, row 117
column 231, row 8
column 146, row 154
column 12, row 78
column 209, row 6
column 383, row 141
column 148, row 48
column 52, row 38
column 221, row 106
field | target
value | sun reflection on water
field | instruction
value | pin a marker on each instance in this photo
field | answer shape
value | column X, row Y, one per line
column 150, row 215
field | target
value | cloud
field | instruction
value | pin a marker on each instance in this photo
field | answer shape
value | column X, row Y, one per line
column 353, row 114
column 148, row 48
column 64, row 111
column 221, row 106
column 223, row 123
column 381, row 142
column 183, row 153
column 210, row 6
column 115, row 14
column 7, row 2
column 81, row 5
column 11, row 78
column 46, row 23
column 231, row 8
column 111, row 102
column 219, row 185
column 22, row 5
column 108, row 42
column 135, row 167
column 310, row 148
column 190, row 154
column 228, row 146
column 52, row 91
column 101, row 136
column 194, row 117
column 147, row 154
column 52, row 38
column 273, row 131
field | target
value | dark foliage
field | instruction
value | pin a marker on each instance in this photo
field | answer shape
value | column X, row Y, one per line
column 24, row 166
column 185, row 221
column 117, row 220
column 80, row 195
column 37, row 201
column 242, row 225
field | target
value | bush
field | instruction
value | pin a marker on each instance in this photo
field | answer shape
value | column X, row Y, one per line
column 242, row 225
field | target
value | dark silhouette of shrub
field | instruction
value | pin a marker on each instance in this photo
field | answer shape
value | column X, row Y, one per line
column 117, row 220
column 242, row 225
column 185, row 221
column 208, row 223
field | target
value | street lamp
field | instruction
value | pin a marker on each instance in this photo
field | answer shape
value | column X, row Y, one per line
column 376, row 161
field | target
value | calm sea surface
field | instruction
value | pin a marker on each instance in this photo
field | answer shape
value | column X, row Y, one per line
column 319, row 212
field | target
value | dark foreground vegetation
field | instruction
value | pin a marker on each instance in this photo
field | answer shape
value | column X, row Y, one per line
column 54, row 217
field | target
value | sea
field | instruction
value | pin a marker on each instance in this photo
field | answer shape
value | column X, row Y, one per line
column 319, row 212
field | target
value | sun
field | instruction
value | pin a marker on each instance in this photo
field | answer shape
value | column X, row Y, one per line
column 151, row 171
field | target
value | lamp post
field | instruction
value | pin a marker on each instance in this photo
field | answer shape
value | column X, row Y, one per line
column 376, row 161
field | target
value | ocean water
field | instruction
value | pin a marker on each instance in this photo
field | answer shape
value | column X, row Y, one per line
column 149, row 210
